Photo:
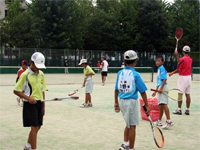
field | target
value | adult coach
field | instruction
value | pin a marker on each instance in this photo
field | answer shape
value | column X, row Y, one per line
column 104, row 70
column 184, row 80
column 31, row 86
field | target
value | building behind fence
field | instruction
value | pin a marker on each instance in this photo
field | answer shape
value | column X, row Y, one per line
column 71, row 58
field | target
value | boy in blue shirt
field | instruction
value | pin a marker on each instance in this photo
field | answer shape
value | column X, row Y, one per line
column 162, row 98
column 128, row 83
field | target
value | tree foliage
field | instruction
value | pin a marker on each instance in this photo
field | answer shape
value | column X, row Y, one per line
column 142, row 25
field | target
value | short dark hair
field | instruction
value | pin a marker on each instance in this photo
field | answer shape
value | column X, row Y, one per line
column 162, row 59
column 129, row 61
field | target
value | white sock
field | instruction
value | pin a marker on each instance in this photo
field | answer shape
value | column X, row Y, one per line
column 126, row 143
column 34, row 149
column 132, row 149
column 187, row 109
column 179, row 108
column 28, row 145
column 169, row 121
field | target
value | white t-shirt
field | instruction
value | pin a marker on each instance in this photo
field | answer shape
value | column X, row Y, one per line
column 104, row 65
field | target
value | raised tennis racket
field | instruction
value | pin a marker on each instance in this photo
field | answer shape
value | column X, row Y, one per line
column 178, row 36
column 157, row 133
column 74, row 92
column 64, row 98
column 172, row 93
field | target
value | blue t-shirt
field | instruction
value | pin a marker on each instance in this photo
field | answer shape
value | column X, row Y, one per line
column 128, row 83
column 161, row 75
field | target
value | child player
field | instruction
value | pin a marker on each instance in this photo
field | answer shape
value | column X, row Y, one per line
column 128, row 83
column 87, row 83
column 162, row 98
column 31, row 86
column 184, row 80
column 19, row 72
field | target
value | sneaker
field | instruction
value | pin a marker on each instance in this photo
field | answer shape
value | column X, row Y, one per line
column 124, row 147
column 168, row 125
column 90, row 105
column 84, row 105
column 177, row 112
column 26, row 148
column 158, row 123
column 103, row 84
column 18, row 100
column 187, row 112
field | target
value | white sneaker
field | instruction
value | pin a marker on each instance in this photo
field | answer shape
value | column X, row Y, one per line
column 103, row 84
column 26, row 148
column 158, row 123
column 84, row 105
column 168, row 125
column 89, row 104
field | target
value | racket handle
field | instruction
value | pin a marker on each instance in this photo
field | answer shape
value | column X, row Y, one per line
column 154, row 90
column 144, row 107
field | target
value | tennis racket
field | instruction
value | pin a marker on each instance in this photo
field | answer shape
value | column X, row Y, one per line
column 74, row 92
column 172, row 93
column 157, row 133
column 61, row 99
column 178, row 36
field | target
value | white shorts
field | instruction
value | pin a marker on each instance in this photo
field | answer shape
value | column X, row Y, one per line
column 162, row 98
column 89, row 86
column 184, row 84
column 129, row 109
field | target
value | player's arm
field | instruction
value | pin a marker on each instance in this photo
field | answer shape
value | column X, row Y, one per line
column 162, row 86
column 43, row 103
column 116, row 106
column 144, row 97
column 177, row 56
column 174, row 72
column 22, row 95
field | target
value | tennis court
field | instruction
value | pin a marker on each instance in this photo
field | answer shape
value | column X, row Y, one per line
column 69, row 127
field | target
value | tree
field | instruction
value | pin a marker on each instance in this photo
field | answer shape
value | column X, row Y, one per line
column 152, row 26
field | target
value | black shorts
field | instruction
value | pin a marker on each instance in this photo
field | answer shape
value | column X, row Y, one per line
column 104, row 73
column 33, row 114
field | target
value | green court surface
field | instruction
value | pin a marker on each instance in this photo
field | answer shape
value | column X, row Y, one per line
column 69, row 127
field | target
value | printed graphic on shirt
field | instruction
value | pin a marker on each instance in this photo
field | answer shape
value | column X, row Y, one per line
column 126, row 83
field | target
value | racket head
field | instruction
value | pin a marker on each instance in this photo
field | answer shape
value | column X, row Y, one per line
column 158, row 137
column 179, row 33
column 173, row 94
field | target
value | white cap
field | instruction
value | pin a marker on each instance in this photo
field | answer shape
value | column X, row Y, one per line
column 82, row 61
column 39, row 60
column 130, row 55
column 186, row 48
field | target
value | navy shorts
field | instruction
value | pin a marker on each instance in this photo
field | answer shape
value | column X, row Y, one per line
column 33, row 114
column 104, row 73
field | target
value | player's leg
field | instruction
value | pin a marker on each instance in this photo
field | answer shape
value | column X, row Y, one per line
column 125, row 144
column 181, row 86
column 160, row 111
column 187, row 104
column 169, row 123
column 33, row 136
column 132, row 136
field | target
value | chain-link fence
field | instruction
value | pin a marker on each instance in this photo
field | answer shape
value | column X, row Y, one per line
column 71, row 58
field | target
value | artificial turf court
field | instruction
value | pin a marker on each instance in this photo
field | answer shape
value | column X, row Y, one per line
column 69, row 127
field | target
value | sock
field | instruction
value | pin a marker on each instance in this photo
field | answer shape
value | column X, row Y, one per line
column 34, row 149
column 187, row 109
column 132, row 149
column 159, row 120
column 179, row 108
column 126, row 143
column 169, row 121
column 28, row 145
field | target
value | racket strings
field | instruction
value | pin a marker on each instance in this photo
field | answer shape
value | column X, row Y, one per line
column 173, row 94
column 158, row 137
